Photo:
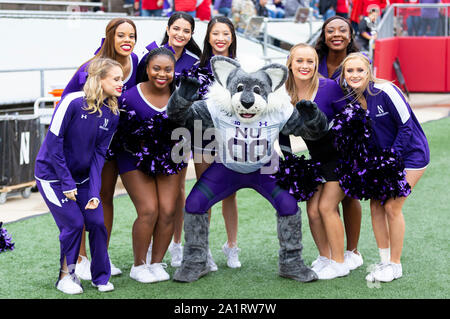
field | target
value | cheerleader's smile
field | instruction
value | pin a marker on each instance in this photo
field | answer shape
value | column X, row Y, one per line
column 161, row 81
column 305, row 72
column 179, row 40
column 337, row 42
column 126, row 47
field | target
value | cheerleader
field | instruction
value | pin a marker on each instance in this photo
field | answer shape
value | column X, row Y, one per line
column 322, row 208
column 336, row 41
column 68, row 171
column 394, row 126
column 154, row 196
column 119, row 42
column 177, row 38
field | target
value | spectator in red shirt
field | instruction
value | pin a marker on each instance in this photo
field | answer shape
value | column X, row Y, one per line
column 149, row 8
column 354, row 17
column 361, row 7
column 204, row 10
column 188, row 6
column 342, row 8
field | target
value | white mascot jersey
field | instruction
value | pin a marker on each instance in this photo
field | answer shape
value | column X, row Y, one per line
column 246, row 147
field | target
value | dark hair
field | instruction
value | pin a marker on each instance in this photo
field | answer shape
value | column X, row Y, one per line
column 207, row 49
column 153, row 54
column 191, row 45
column 322, row 48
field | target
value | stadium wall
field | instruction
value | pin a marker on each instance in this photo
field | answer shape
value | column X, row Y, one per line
column 424, row 61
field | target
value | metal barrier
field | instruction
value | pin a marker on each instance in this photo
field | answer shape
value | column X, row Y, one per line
column 44, row 113
column 41, row 4
column 257, row 30
column 41, row 73
column 40, row 109
column 59, row 14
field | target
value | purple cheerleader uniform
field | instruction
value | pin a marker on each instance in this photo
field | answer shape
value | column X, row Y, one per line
column 395, row 126
column 78, row 80
column 134, row 100
column 71, row 158
column 330, row 100
column 185, row 62
column 323, row 70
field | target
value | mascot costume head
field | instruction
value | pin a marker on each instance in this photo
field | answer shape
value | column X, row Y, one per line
column 247, row 111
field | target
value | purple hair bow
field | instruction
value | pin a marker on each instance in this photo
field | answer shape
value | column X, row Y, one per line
column 101, row 44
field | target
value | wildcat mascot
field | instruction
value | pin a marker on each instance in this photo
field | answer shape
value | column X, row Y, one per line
column 247, row 112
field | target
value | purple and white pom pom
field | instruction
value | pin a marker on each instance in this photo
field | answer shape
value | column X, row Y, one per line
column 202, row 74
column 299, row 176
column 364, row 171
column 5, row 240
column 150, row 142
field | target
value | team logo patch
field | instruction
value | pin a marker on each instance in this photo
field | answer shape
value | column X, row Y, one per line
column 381, row 111
column 105, row 124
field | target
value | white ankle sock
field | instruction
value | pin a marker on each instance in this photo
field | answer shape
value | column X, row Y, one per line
column 385, row 254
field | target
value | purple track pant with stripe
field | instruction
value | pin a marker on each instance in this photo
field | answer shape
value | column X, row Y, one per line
column 219, row 182
column 70, row 217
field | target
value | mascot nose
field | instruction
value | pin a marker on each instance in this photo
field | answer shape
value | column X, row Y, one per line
column 247, row 100
column 247, row 105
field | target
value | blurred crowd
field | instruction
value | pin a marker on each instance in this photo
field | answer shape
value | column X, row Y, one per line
column 363, row 14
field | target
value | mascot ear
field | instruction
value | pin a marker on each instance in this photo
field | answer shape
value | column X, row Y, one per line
column 277, row 74
column 222, row 67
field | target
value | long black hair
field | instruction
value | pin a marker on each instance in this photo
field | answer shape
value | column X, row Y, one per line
column 153, row 54
column 322, row 48
column 191, row 45
column 207, row 49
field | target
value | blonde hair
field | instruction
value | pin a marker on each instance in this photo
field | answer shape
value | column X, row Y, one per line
column 291, row 88
column 98, row 69
column 370, row 77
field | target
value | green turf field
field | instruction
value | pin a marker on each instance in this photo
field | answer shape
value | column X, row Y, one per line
column 31, row 269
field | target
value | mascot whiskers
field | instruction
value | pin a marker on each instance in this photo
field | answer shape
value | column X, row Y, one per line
column 248, row 111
